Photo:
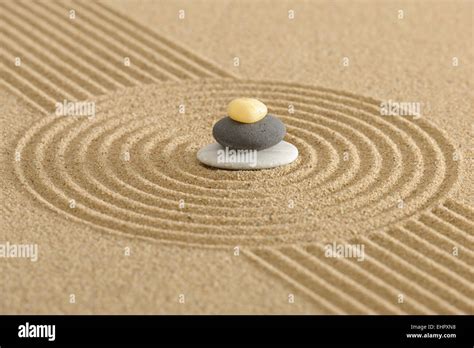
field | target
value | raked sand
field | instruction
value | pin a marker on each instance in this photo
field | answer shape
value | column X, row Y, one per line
column 128, row 221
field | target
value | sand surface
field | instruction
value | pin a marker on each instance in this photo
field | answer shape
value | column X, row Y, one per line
column 126, row 219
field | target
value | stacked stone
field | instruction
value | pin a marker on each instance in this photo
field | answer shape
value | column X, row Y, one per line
column 248, row 128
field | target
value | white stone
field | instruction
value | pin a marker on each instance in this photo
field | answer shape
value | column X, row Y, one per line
column 215, row 155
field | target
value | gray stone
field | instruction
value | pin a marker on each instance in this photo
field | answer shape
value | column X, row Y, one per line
column 215, row 155
column 260, row 135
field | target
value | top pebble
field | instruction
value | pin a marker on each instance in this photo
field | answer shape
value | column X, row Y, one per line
column 246, row 110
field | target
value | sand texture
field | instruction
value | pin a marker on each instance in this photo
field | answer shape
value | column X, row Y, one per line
column 126, row 219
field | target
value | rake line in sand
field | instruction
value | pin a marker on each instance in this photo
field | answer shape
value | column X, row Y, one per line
column 157, row 58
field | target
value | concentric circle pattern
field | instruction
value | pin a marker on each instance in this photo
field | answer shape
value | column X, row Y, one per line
column 132, row 168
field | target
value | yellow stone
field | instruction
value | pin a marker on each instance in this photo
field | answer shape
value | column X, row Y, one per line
column 246, row 110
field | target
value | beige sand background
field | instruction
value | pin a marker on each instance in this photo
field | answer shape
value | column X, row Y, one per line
column 190, row 250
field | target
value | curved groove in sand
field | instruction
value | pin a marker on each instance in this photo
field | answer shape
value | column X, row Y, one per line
column 319, row 134
column 152, row 174
column 143, row 196
column 316, row 126
column 390, row 171
column 108, row 147
column 102, row 151
column 147, row 194
column 81, row 151
column 452, row 179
